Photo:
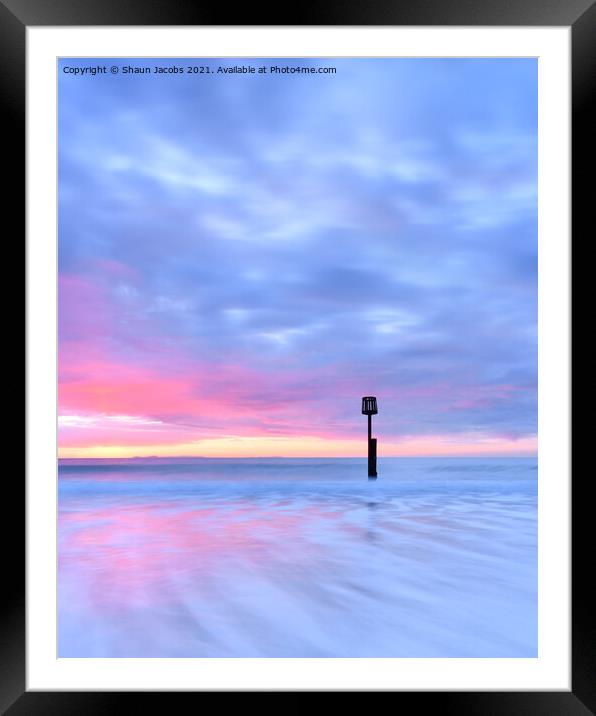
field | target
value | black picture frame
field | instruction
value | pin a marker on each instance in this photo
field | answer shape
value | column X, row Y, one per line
column 580, row 15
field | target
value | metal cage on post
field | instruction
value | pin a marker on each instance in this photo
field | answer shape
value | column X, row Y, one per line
column 369, row 407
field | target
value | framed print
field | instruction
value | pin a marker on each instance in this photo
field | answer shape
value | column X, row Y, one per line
column 298, row 371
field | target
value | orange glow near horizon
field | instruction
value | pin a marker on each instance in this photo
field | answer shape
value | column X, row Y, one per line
column 309, row 446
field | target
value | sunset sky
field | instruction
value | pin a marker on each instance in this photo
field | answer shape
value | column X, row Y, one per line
column 242, row 258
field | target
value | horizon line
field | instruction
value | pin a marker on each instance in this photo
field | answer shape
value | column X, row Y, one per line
column 291, row 457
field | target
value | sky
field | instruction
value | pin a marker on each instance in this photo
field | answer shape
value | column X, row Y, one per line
column 242, row 257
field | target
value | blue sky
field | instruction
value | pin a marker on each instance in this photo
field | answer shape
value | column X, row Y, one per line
column 242, row 257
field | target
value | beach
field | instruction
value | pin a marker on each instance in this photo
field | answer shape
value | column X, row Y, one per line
column 297, row 558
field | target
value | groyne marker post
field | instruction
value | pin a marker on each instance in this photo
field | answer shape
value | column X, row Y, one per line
column 369, row 408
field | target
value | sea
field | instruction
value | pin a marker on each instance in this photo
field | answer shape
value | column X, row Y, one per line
column 308, row 558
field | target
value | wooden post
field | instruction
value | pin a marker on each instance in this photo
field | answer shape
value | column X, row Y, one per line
column 372, row 457
column 369, row 408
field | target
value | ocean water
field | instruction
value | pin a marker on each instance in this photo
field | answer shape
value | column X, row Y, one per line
column 298, row 558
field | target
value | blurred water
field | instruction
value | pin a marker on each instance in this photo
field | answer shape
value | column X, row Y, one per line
column 298, row 558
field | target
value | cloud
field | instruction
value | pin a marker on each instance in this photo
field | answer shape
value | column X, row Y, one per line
column 265, row 250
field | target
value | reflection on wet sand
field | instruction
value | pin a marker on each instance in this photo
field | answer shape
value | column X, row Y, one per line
column 296, row 569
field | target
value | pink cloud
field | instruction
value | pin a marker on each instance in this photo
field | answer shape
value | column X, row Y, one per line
column 171, row 397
